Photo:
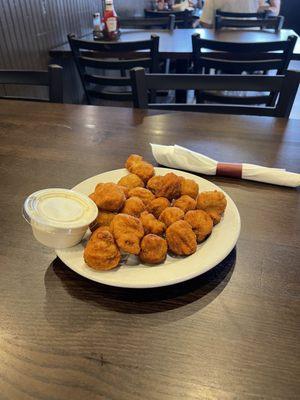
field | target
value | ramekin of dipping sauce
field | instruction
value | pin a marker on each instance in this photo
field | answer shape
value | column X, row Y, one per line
column 59, row 218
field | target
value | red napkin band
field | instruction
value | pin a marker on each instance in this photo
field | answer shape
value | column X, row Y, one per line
column 230, row 170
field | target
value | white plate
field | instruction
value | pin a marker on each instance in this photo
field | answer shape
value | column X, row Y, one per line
column 173, row 270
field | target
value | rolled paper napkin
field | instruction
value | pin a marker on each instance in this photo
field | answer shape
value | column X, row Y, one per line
column 182, row 158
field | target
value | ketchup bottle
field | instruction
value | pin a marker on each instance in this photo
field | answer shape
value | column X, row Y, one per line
column 111, row 21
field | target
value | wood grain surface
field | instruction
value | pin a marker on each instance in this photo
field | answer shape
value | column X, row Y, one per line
column 178, row 44
column 232, row 333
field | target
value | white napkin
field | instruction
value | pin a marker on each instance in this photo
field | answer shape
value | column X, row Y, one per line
column 182, row 158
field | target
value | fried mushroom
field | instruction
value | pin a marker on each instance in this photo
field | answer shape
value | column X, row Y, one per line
column 189, row 187
column 131, row 181
column 157, row 206
column 143, row 169
column 109, row 197
column 170, row 186
column 151, row 224
column 185, row 203
column 214, row 203
column 144, row 194
column 128, row 232
column 133, row 206
column 201, row 223
column 133, row 158
column 181, row 239
column 101, row 252
column 171, row 215
column 154, row 184
column 153, row 249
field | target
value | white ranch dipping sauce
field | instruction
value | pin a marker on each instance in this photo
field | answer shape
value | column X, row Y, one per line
column 59, row 217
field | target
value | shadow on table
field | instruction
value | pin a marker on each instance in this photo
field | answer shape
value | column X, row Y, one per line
column 68, row 292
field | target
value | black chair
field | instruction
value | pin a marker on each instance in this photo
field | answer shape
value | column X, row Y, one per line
column 95, row 59
column 247, row 20
column 51, row 79
column 167, row 22
column 286, row 86
column 183, row 19
column 211, row 56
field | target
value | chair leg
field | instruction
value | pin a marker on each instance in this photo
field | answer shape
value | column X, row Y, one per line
column 181, row 68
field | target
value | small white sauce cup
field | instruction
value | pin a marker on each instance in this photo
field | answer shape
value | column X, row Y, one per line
column 59, row 218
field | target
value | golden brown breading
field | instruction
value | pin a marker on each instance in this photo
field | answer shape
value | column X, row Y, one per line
column 144, row 194
column 133, row 158
column 93, row 197
column 104, row 229
column 170, row 186
column 171, row 215
column 109, row 197
column 185, row 203
column 131, row 181
column 143, row 169
column 157, row 206
column 151, row 224
column 189, row 187
column 153, row 249
column 154, row 184
column 101, row 252
column 125, row 190
column 104, row 218
column 214, row 203
column 201, row 223
column 133, row 206
column 181, row 238
column 128, row 232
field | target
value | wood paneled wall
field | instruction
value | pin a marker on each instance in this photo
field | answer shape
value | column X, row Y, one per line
column 29, row 28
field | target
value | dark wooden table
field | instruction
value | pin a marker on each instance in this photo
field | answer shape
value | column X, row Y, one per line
column 178, row 44
column 232, row 333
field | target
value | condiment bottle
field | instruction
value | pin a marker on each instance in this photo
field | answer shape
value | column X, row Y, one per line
column 110, row 20
column 97, row 23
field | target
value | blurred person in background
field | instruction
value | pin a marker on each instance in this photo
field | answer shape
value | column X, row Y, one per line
column 238, row 6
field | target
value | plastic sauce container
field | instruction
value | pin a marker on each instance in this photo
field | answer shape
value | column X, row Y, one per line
column 59, row 218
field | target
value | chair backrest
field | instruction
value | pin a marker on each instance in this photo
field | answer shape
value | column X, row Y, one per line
column 167, row 22
column 287, row 87
column 183, row 19
column 52, row 78
column 248, row 20
column 108, row 56
column 238, row 58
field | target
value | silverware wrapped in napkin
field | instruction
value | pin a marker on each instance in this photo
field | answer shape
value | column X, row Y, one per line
column 182, row 158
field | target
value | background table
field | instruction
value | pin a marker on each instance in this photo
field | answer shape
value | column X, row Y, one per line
column 231, row 333
column 178, row 43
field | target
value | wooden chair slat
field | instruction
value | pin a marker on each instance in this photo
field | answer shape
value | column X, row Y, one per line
column 114, row 64
column 183, row 19
column 214, row 82
column 238, row 58
column 52, row 78
column 287, row 86
column 237, row 67
column 111, row 56
column 245, row 48
column 248, row 20
column 107, row 80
